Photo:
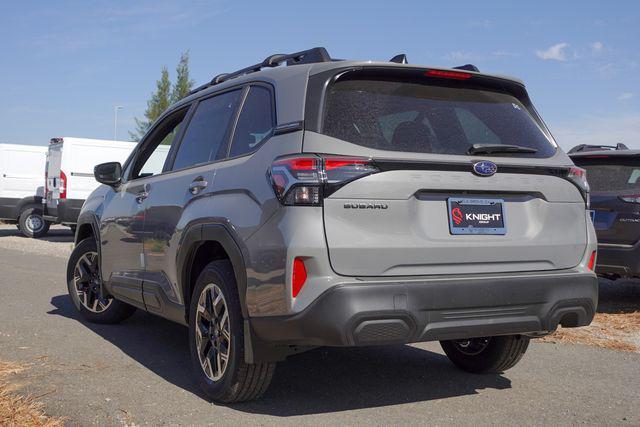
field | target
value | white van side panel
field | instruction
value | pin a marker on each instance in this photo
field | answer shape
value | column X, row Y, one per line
column 77, row 157
column 21, row 170
column 80, row 157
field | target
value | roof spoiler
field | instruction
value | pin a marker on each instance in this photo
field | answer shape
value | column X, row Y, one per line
column 402, row 59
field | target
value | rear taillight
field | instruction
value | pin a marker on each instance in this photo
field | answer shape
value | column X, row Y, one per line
column 63, row 185
column 298, row 276
column 631, row 198
column 306, row 180
column 578, row 177
column 592, row 261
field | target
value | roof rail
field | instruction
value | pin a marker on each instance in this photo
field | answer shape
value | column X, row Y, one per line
column 586, row 147
column 310, row 56
column 467, row 67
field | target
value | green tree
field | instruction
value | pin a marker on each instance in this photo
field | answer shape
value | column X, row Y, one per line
column 183, row 84
column 156, row 105
column 164, row 95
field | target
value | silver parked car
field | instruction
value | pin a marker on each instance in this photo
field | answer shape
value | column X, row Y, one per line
column 306, row 202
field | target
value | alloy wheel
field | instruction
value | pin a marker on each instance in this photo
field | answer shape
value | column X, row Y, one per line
column 472, row 346
column 34, row 223
column 86, row 280
column 213, row 332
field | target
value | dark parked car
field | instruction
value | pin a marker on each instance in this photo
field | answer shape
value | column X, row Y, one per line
column 613, row 172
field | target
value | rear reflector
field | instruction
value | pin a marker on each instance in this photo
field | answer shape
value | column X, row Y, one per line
column 298, row 277
column 592, row 261
column 456, row 75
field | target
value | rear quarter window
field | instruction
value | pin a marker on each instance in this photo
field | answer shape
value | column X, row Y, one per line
column 255, row 124
column 429, row 117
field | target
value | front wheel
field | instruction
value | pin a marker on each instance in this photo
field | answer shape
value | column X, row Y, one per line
column 32, row 224
column 486, row 355
column 85, row 287
column 216, row 339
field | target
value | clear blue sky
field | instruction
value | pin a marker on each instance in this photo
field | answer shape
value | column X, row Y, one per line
column 66, row 64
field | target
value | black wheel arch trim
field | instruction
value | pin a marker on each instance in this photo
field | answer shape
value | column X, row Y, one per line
column 29, row 201
column 90, row 218
column 87, row 218
column 221, row 231
column 200, row 232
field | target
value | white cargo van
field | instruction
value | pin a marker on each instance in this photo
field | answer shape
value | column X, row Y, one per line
column 21, row 187
column 69, row 172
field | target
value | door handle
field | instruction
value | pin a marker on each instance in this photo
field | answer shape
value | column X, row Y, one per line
column 198, row 185
column 141, row 196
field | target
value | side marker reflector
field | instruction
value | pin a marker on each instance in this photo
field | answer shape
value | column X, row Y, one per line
column 298, row 277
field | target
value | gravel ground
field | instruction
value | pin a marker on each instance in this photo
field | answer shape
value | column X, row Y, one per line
column 138, row 372
column 58, row 243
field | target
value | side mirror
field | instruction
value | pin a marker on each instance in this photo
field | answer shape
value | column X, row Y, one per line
column 108, row 173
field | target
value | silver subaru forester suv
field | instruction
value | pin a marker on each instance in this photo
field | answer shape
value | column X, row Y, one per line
column 306, row 201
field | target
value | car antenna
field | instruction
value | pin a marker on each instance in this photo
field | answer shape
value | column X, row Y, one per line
column 467, row 67
column 399, row 59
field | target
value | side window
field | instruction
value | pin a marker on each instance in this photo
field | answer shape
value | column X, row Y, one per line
column 390, row 122
column 255, row 123
column 474, row 129
column 155, row 151
column 207, row 130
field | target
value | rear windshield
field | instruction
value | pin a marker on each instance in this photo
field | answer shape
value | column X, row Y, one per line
column 429, row 118
column 611, row 177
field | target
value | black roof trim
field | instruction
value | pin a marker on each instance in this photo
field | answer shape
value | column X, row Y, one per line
column 582, row 148
column 310, row 56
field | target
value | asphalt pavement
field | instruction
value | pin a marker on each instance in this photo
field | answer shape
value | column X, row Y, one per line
column 138, row 372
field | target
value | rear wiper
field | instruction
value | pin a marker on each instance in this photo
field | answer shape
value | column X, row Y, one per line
column 499, row 148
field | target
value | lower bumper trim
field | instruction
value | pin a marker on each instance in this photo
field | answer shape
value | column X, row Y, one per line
column 383, row 313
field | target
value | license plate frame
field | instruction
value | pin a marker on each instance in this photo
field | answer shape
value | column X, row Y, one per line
column 460, row 223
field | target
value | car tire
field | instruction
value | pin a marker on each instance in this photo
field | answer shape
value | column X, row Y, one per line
column 83, row 284
column 32, row 224
column 490, row 355
column 216, row 333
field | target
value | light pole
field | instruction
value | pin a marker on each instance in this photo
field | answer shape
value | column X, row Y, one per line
column 115, row 120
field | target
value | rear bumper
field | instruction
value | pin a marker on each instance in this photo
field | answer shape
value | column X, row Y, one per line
column 621, row 260
column 384, row 312
column 65, row 211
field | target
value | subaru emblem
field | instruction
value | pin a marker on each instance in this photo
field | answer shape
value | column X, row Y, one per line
column 485, row 168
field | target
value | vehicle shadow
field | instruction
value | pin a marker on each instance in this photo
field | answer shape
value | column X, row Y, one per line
column 319, row 381
column 63, row 235
column 619, row 296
